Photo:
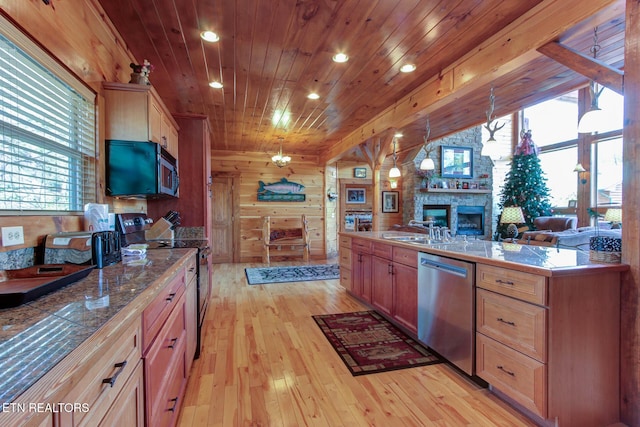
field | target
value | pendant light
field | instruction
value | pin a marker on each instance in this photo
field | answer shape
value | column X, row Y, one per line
column 394, row 172
column 427, row 163
column 490, row 148
column 594, row 119
column 279, row 160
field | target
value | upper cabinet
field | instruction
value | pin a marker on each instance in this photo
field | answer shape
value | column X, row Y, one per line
column 136, row 113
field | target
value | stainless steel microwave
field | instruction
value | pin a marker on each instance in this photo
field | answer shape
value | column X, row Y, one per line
column 140, row 169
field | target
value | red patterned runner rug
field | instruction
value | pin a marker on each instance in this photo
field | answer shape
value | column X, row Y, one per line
column 368, row 343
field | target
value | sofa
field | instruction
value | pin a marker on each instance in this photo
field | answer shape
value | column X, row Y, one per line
column 562, row 232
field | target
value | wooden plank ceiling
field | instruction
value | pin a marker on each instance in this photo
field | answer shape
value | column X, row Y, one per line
column 273, row 53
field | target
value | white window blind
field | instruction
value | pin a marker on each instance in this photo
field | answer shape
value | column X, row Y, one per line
column 47, row 136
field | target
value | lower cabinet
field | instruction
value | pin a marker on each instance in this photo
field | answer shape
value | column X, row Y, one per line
column 128, row 408
column 105, row 380
column 361, row 269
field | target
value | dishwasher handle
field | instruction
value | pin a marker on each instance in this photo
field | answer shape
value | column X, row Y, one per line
column 446, row 268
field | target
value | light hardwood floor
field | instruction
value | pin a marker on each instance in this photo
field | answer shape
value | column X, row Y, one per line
column 265, row 363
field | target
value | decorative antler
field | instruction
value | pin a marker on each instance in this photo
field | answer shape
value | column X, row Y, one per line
column 496, row 126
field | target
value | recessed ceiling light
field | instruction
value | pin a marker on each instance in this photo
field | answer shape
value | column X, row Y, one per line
column 209, row 36
column 407, row 68
column 398, row 135
column 313, row 96
column 216, row 85
column 340, row 57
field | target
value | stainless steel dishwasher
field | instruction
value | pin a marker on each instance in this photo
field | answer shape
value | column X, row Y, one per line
column 446, row 309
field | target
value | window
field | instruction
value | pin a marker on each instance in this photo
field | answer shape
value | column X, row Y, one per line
column 47, row 131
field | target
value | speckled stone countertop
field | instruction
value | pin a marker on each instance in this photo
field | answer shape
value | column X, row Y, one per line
column 547, row 261
column 36, row 336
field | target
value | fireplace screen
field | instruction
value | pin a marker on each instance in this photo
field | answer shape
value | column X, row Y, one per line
column 439, row 214
column 470, row 220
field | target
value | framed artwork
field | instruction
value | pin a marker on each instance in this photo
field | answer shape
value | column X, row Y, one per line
column 457, row 162
column 360, row 172
column 356, row 195
column 390, row 201
column 573, row 203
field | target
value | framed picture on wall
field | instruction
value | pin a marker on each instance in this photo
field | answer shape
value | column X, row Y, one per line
column 457, row 162
column 390, row 201
column 360, row 172
column 356, row 195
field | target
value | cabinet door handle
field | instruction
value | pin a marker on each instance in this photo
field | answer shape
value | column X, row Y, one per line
column 390, row 269
column 171, row 297
column 173, row 343
column 165, row 144
column 500, row 319
column 175, row 404
column 505, row 371
column 504, row 282
column 112, row 380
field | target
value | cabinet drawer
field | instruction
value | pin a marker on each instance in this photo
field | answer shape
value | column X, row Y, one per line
column 164, row 355
column 405, row 256
column 345, row 258
column 382, row 250
column 106, row 378
column 517, row 284
column 191, row 270
column 344, row 242
column 157, row 312
column 514, row 323
column 520, row 377
column 345, row 278
column 169, row 401
column 360, row 245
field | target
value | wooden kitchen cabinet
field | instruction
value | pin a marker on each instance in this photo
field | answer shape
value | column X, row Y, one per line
column 361, row 269
column 164, row 325
column 195, row 177
column 136, row 113
column 103, row 385
column 191, row 311
column 128, row 408
column 384, row 276
column 548, row 342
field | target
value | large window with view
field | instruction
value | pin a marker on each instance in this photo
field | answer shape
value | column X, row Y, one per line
column 47, row 132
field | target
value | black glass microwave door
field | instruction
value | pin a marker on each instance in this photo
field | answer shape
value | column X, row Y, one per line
column 132, row 168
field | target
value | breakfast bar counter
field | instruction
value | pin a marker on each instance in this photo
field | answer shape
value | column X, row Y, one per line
column 73, row 324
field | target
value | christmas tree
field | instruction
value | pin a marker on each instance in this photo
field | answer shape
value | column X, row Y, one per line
column 525, row 184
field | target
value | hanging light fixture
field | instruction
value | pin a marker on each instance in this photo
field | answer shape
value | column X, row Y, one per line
column 490, row 148
column 427, row 163
column 594, row 119
column 394, row 172
column 279, row 160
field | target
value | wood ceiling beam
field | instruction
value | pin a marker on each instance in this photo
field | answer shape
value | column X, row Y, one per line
column 506, row 50
column 589, row 67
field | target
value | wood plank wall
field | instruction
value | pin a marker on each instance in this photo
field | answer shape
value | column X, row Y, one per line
column 256, row 167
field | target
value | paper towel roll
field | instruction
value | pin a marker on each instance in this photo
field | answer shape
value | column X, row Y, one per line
column 96, row 217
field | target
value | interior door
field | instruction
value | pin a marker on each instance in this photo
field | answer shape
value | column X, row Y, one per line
column 224, row 231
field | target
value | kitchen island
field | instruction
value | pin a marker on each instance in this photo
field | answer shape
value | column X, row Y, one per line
column 545, row 322
column 74, row 356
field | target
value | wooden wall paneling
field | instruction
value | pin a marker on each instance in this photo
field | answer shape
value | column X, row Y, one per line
column 630, row 295
column 255, row 167
column 331, row 211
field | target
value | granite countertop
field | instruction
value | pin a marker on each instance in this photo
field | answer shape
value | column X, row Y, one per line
column 36, row 336
column 548, row 261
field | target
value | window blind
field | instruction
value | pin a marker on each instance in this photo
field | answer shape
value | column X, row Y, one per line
column 47, row 136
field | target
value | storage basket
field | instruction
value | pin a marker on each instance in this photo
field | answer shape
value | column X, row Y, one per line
column 605, row 249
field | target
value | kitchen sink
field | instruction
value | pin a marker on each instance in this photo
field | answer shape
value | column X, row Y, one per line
column 22, row 285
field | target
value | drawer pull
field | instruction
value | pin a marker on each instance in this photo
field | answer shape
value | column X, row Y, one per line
column 505, row 371
column 505, row 282
column 173, row 343
column 112, row 380
column 390, row 269
column 171, row 297
column 175, row 404
column 500, row 319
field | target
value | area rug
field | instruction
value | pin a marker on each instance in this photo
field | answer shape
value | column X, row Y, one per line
column 298, row 273
column 368, row 343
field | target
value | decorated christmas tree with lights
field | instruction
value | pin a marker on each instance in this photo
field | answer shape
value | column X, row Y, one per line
column 525, row 185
